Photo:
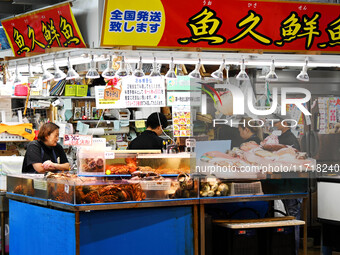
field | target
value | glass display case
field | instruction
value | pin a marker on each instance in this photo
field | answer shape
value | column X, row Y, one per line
column 127, row 162
column 88, row 190
column 124, row 176
column 34, row 185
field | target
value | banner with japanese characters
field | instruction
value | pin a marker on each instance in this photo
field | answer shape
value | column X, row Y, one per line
column 36, row 31
column 233, row 25
column 131, row 92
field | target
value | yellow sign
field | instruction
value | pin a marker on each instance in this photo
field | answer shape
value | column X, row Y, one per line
column 133, row 22
column 140, row 124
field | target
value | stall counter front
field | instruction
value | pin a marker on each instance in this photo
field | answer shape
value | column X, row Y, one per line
column 173, row 226
column 166, row 227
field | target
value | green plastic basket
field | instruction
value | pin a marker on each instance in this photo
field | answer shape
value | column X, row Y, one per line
column 70, row 90
column 81, row 90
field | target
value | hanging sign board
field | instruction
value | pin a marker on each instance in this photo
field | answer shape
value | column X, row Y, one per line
column 78, row 140
column 131, row 92
column 36, row 31
column 234, row 25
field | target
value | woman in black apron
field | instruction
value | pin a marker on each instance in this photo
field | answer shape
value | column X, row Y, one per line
column 45, row 154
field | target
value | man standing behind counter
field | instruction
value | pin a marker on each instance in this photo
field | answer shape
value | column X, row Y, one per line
column 150, row 139
column 287, row 137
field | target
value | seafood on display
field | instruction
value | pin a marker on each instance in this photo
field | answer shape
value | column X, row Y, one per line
column 269, row 153
column 83, row 190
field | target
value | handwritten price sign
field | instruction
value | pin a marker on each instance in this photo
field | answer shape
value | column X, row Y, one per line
column 78, row 140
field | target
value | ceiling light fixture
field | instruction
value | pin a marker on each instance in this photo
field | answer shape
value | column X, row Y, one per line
column 218, row 74
column 139, row 70
column 30, row 71
column 303, row 75
column 71, row 73
column 122, row 72
column 109, row 72
column 92, row 72
column 47, row 76
column 155, row 70
column 58, row 74
column 242, row 75
column 17, row 76
column 196, row 72
column 272, row 76
column 171, row 72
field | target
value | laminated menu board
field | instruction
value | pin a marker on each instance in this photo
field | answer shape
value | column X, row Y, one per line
column 182, row 121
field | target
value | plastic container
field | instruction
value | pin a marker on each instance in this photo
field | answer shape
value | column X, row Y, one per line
column 70, row 90
column 20, row 90
column 81, row 90
column 251, row 188
column 91, row 162
column 158, row 189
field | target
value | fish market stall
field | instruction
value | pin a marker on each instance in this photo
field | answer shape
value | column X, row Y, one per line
column 134, row 199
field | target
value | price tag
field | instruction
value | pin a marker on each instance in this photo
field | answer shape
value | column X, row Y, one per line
column 109, row 155
column 67, row 188
column 39, row 184
column 140, row 124
column 78, row 140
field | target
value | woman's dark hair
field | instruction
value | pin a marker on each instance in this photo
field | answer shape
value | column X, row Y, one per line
column 46, row 129
column 156, row 119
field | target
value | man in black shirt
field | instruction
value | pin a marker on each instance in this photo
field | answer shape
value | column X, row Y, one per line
column 287, row 137
column 149, row 139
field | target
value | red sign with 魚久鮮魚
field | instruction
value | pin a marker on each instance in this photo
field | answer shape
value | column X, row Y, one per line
column 232, row 25
column 36, row 31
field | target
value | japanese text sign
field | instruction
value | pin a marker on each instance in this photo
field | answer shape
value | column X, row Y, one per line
column 263, row 25
column 132, row 92
column 78, row 140
column 36, row 31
